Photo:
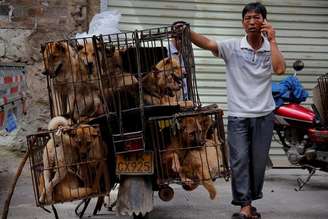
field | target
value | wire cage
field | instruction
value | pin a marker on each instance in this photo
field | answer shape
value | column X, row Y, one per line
column 190, row 148
column 74, row 85
column 126, row 76
column 323, row 90
column 145, row 73
column 68, row 164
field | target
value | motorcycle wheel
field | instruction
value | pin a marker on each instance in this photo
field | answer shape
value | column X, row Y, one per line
column 139, row 216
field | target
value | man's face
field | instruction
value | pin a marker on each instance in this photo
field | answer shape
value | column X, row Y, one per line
column 252, row 22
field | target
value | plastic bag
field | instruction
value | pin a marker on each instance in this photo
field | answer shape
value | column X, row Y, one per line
column 103, row 23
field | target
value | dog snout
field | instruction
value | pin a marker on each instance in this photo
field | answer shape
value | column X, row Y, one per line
column 176, row 78
column 197, row 141
column 90, row 67
column 202, row 142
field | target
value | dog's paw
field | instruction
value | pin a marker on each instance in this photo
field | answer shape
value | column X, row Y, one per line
column 212, row 195
column 49, row 197
column 41, row 199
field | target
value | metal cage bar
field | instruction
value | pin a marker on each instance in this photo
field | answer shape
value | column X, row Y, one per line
column 68, row 166
column 190, row 147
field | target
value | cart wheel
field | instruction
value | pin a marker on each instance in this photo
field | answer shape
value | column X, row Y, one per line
column 139, row 216
column 166, row 193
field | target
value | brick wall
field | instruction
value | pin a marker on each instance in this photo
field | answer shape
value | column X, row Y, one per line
column 40, row 21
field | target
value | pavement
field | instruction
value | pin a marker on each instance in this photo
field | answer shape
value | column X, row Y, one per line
column 280, row 199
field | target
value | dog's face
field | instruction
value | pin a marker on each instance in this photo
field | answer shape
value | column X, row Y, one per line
column 56, row 55
column 87, row 54
column 114, row 62
column 83, row 138
column 194, row 130
column 168, row 73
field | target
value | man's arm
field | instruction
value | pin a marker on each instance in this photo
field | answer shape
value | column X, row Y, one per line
column 278, row 61
column 204, row 42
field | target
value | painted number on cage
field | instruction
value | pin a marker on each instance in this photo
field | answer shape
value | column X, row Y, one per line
column 134, row 163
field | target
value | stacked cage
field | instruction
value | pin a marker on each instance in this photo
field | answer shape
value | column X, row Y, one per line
column 149, row 72
column 68, row 164
column 190, row 148
column 71, row 160
column 116, row 92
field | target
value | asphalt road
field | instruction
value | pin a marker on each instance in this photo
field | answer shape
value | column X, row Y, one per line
column 280, row 199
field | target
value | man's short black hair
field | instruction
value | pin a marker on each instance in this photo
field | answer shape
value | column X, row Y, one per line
column 257, row 7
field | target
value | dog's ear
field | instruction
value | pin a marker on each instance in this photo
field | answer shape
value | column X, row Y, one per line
column 198, row 124
column 73, row 43
column 60, row 46
column 79, row 47
column 160, row 64
column 207, row 123
column 94, row 132
column 167, row 61
column 156, row 72
column 110, row 51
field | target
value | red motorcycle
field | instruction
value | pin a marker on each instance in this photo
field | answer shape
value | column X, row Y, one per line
column 302, row 132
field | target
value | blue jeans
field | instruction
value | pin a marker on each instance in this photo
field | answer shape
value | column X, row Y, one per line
column 249, row 142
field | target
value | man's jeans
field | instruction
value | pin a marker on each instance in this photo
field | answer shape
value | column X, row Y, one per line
column 249, row 142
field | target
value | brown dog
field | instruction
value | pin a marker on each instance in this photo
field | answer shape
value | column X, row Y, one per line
column 54, row 161
column 163, row 84
column 192, row 133
column 73, row 90
column 94, row 167
column 66, row 190
column 202, row 166
column 194, row 153
column 58, row 57
column 87, row 55
column 60, row 156
column 117, row 84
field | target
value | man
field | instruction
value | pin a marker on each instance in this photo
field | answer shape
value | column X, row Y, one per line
column 175, row 51
column 250, row 62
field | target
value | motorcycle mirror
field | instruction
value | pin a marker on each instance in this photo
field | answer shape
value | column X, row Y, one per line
column 298, row 65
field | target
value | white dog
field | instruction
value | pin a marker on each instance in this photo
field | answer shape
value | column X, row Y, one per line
column 57, row 155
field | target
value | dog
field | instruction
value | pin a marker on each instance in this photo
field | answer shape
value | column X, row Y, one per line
column 54, row 156
column 87, row 54
column 193, row 153
column 202, row 166
column 67, row 189
column 56, row 56
column 74, row 91
column 120, row 87
column 95, row 167
column 191, row 133
column 162, row 85
column 60, row 156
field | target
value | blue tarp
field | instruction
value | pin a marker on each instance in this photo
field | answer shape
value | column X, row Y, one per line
column 290, row 90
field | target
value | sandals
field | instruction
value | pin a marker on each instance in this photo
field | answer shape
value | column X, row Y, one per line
column 239, row 215
column 255, row 214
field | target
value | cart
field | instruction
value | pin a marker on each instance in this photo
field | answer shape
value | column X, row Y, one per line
column 138, row 91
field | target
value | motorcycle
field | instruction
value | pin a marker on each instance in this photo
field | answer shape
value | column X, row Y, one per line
column 303, row 132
